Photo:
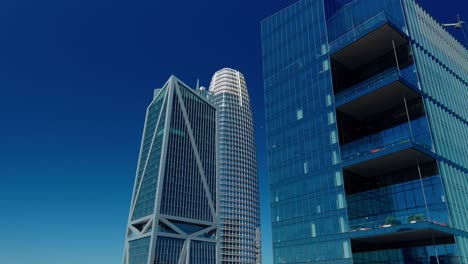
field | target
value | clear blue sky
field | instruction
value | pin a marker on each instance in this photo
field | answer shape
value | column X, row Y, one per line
column 75, row 79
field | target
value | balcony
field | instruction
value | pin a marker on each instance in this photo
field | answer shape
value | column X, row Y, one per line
column 407, row 235
column 438, row 215
column 387, row 158
column 369, row 52
column 379, row 93
column 388, row 141
column 370, row 39
column 400, row 198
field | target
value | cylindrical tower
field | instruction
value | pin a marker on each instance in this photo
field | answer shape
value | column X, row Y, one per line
column 239, row 196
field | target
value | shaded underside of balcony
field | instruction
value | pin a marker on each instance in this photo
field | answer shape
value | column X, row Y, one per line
column 376, row 97
column 409, row 235
column 359, row 47
column 382, row 161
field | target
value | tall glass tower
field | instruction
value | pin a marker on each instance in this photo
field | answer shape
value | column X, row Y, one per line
column 173, row 216
column 367, row 134
column 239, row 198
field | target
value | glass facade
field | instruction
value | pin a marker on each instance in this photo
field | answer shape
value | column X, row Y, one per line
column 173, row 216
column 442, row 64
column 239, row 198
column 306, row 185
column 365, row 109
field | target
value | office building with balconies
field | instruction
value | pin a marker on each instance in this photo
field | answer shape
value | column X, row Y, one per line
column 367, row 134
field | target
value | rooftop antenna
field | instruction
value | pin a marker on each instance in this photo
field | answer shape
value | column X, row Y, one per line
column 458, row 25
column 198, row 83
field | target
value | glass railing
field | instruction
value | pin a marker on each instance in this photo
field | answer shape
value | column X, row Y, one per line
column 437, row 215
column 356, row 32
column 375, row 80
column 389, row 138
column 343, row 16
column 446, row 253
column 408, row 74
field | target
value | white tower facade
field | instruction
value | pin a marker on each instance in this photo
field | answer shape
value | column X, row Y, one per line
column 239, row 195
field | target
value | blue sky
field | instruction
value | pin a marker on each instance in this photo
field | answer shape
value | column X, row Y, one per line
column 75, row 80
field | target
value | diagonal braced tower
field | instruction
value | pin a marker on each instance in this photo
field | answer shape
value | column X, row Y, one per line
column 173, row 216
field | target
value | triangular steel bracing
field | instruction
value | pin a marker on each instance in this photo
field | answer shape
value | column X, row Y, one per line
column 161, row 228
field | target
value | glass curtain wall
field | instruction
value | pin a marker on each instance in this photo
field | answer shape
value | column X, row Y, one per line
column 306, row 185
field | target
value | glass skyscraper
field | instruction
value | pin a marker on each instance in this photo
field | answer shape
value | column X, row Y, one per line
column 367, row 131
column 174, row 211
column 239, row 198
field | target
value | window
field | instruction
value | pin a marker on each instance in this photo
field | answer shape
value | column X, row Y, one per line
column 342, row 224
column 299, row 114
column 331, row 118
column 346, row 251
column 340, row 201
column 326, row 65
column 324, row 49
column 338, row 178
column 336, row 159
column 329, row 99
column 333, row 137
column 313, row 230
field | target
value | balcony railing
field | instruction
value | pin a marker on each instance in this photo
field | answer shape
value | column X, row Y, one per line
column 362, row 29
column 375, row 80
column 389, row 138
column 437, row 215
column 408, row 74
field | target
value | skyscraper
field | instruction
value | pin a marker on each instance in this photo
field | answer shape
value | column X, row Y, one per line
column 239, row 198
column 367, row 134
column 174, row 211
